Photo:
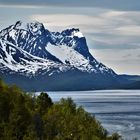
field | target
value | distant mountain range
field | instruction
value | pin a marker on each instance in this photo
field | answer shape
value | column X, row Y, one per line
column 134, row 81
column 37, row 59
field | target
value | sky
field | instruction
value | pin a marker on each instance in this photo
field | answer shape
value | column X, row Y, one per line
column 112, row 28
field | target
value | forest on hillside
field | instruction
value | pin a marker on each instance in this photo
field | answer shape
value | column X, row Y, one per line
column 25, row 116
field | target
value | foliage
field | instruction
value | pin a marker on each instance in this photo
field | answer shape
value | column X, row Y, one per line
column 28, row 117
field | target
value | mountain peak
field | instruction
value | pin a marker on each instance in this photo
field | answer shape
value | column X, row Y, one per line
column 18, row 24
column 72, row 32
column 36, row 28
column 78, row 34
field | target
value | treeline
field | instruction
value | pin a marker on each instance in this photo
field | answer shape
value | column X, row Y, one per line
column 28, row 117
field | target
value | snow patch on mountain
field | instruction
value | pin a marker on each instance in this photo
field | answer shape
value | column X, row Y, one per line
column 70, row 57
column 78, row 34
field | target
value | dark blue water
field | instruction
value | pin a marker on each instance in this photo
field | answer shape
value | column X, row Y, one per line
column 117, row 110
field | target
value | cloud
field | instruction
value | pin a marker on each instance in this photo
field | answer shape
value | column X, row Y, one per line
column 18, row 6
column 63, row 19
column 111, row 14
column 132, row 30
column 109, row 4
column 71, row 19
column 86, row 23
column 122, row 61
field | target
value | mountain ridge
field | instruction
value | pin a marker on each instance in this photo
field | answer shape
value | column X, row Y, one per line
column 34, row 52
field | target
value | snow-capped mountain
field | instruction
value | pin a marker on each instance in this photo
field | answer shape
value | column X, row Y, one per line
column 34, row 52
column 16, row 60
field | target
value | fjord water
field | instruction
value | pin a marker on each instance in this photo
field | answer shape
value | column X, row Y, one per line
column 117, row 110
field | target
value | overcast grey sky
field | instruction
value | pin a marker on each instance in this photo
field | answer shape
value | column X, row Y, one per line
column 112, row 28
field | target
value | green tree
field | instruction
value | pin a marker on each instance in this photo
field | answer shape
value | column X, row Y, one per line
column 43, row 102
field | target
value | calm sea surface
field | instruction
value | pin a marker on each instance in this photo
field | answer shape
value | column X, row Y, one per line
column 117, row 110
